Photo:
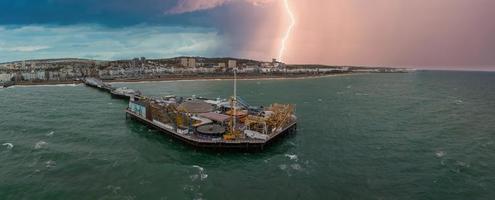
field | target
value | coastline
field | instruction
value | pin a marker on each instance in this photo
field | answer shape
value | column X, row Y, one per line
column 186, row 78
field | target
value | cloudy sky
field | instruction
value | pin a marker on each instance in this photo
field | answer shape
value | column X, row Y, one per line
column 454, row 34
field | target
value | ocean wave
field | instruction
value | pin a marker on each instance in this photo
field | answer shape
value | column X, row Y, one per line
column 291, row 156
column 8, row 145
column 50, row 164
column 202, row 175
column 440, row 154
column 50, row 133
column 114, row 189
column 296, row 167
column 194, row 191
column 198, row 167
column 462, row 164
column 40, row 144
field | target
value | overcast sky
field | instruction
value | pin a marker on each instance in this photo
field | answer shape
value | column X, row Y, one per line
column 454, row 34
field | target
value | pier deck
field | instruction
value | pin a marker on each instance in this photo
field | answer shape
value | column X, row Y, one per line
column 191, row 136
column 238, row 144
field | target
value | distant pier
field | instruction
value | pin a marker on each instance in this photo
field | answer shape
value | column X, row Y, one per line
column 98, row 84
column 120, row 93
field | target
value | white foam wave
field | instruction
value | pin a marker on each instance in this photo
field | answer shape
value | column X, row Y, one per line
column 8, row 145
column 50, row 164
column 194, row 190
column 462, row 164
column 291, row 156
column 198, row 167
column 440, row 154
column 194, row 177
column 40, row 144
column 202, row 175
column 296, row 166
column 114, row 189
column 50, row 133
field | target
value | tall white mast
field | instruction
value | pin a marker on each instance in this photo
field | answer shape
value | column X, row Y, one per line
column 235, row 98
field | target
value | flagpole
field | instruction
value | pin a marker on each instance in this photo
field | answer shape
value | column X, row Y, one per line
column 235, row 99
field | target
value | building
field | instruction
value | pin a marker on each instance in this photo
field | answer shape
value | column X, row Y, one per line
column 188, row 62
column 220, row 65
column 40, row 75
column 53, row 76
column 183, row 62
column 192, row 63
column 5, row 77
column 276, row 63
column 28, row 76
column 232, row 64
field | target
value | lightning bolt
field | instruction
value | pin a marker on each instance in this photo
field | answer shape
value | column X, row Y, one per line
column 289, row 30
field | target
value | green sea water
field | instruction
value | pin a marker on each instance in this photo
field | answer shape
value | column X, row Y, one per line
column 422, row 135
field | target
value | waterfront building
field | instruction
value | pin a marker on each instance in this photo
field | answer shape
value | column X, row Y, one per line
column 40, row 75
column 232, row 64
column 53, row 76
column 5, row 77
column 188, row 62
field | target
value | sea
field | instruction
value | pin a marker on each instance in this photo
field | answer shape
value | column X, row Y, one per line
column 419, row 135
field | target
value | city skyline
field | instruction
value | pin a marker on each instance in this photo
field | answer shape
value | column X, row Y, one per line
column 426, row 35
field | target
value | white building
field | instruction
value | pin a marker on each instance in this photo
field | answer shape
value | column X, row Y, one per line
column 40, row 75
column 5, row 77
column 53, row 76
column 232, row 64
column 29, row 76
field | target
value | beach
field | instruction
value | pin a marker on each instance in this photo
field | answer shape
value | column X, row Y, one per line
column 190, row 78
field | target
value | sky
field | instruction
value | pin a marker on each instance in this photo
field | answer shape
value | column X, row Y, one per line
column 425, row 34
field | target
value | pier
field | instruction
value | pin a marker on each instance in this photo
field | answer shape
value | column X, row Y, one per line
column 98, row 84
column 214, row 124
column 121, row 93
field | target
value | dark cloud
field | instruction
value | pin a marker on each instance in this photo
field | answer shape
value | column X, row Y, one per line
column 222, row 31
column 115, row 13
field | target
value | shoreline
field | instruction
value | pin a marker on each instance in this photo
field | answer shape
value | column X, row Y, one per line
column 187, row 78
